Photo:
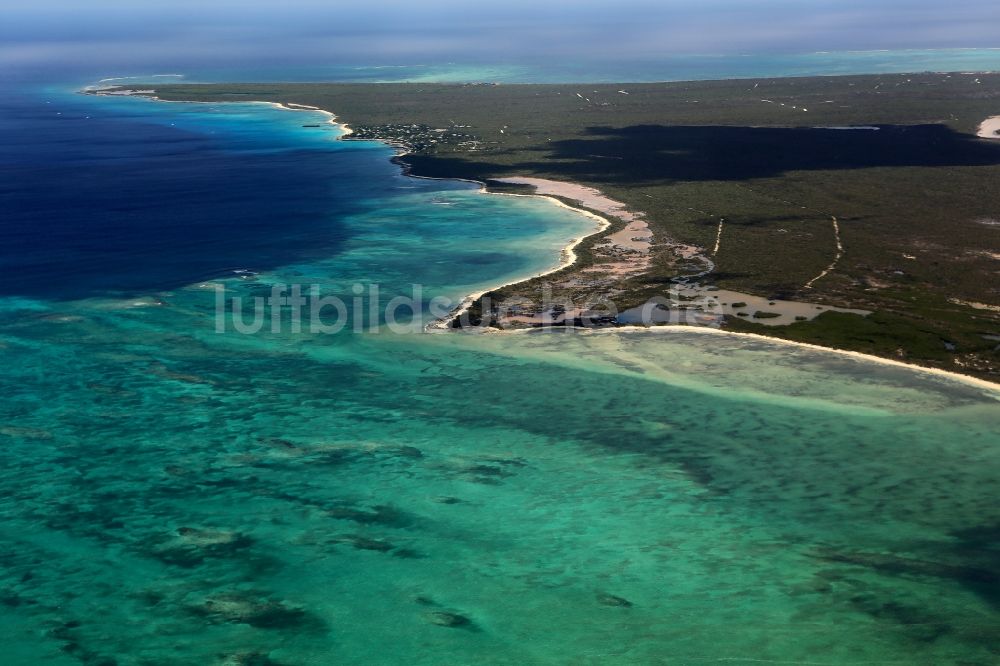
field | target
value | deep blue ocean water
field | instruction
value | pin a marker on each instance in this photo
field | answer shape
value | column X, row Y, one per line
column 170, row 494
column 113, row 196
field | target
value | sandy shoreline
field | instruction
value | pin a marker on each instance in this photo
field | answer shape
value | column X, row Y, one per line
column 567, row 256
column 332, row 118
column 632, row 244
column 595, row 200
column 587, row 196
column 289, row 106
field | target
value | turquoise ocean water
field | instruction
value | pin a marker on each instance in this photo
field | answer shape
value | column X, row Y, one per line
column 175, row 495
column 691, row 67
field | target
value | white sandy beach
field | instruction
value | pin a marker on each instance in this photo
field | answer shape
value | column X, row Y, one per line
column 567, row 258
column 289, row 106
column 634, row 241
column 332, row 118
column 586, row 196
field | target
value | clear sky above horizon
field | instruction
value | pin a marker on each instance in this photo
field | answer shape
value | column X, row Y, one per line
column 157, row 33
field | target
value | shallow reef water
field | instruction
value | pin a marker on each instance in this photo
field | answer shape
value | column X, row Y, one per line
column 170, row 494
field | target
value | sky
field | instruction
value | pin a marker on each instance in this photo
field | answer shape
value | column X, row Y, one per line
column 156, row 33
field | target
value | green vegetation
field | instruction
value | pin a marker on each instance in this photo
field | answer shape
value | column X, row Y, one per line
column 917, row 201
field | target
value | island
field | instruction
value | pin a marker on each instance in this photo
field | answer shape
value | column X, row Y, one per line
column 860, row 213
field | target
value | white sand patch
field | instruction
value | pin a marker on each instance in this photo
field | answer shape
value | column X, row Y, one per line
column 975, row 305
column 631, row 246
column 587, row 196
column 990, row 128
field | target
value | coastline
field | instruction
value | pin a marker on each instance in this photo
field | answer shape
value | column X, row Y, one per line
column 569, row 257
column 289, row 106
column 568, row 254
column 332, row 117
